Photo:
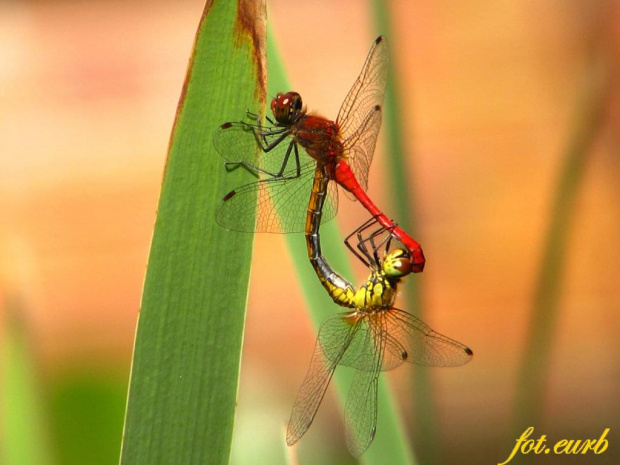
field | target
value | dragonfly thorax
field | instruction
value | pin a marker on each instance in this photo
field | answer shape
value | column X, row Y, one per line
column 320, row 138
column 379, row 291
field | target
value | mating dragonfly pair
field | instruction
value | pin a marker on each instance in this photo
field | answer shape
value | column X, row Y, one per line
column 304, row 158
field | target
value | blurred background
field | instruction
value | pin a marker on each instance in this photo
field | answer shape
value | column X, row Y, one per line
column 511, row 113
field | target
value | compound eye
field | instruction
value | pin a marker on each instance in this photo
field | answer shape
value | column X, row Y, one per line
column 286, row 107
column 397, row 263
column 276, row 102
column 296, row 102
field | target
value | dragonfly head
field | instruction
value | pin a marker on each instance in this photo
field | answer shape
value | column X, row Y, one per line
column 396, row 263
column 287, row 107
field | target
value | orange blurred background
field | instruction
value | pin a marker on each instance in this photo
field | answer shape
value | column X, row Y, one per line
column 88, row 94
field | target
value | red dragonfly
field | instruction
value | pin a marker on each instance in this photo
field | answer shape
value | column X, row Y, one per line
column 345, row 148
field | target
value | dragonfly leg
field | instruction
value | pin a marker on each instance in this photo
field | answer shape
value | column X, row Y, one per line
column 291, row 148
column 260, row 137
column 230, row 165
column 360, row 250
column 370, row 244
column 385, row 243
column 371, row 238
column 359, row 256
column 297, row 163
column 280, row 174
column 251, row 115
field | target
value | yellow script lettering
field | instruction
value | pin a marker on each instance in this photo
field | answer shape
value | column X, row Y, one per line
column 521, row 442
column 602, row 444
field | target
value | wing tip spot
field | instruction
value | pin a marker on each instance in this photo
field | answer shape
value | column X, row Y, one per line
column 230, row 195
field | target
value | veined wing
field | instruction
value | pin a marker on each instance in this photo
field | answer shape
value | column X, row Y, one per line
column 421, row 344
column 359, row 148
column 280, row 204
column 367, row 93
column 371, row 337
column 241, row 142
column 360, row 349
column 398, row 336
column 361, row 405
column 318, row 377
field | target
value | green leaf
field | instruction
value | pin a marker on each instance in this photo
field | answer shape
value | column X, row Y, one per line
column 24, row 430
column 589, row 115
column 86, row 413
column 184, row 376
column 403, row 198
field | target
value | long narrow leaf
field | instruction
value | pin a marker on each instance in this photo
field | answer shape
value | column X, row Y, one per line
column 403, row 200
column 187, row 352
column 24, row 438
column 589, row 113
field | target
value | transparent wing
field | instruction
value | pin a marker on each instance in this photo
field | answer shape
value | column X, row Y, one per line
column 280, row 203
column 362, row 348
column 367, row 91
column 360, row 146
column 361, row 411
column 366, row 94
column 396, row 336
column 318, row 377
column 412, row 340
column 361, row 405
column 371, row 337
column 241, row 142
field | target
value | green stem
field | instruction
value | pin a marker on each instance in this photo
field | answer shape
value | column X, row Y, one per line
column 425, row 428
column 533, row 377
